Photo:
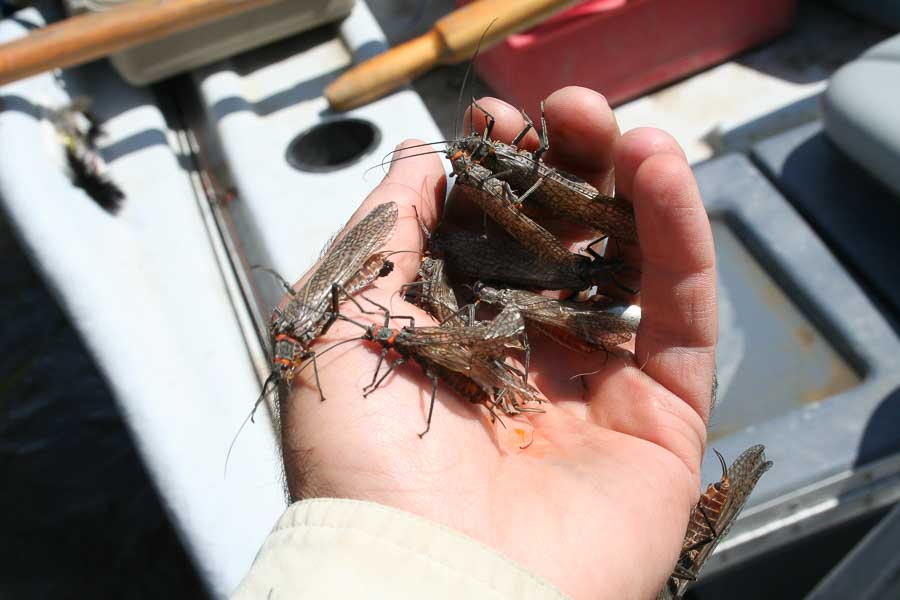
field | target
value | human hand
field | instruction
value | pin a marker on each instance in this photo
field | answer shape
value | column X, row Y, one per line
column 599, row 501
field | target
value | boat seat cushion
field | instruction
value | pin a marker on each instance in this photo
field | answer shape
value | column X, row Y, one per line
column 860, row 111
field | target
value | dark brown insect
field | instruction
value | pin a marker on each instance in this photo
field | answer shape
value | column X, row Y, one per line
column 432, row 293
column 582, row 326
column 494, row 378
column 346, row 267
column 511, row 394
column 713, row 515
column 532, row 179
column 288, row 353
column 500, row 259
column 486, row 338
column 466, row 351
column 499, row 202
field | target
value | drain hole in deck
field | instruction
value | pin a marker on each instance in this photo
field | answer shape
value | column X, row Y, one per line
column 332, row 145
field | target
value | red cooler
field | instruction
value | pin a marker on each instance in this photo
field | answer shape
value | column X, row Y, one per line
column 623, row 48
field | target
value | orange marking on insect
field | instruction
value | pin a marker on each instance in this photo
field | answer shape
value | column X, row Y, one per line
column 390, row 340
column 569, row 339
column 458, row 154
column 283, row 336
column 284, row 362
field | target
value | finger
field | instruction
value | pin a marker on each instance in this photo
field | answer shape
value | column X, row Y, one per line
column 582, row 132
column 416, row 184
column 629, row 151
column 636, row 146
column 677, row 335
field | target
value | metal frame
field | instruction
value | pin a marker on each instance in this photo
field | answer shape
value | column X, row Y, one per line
column 827, row 468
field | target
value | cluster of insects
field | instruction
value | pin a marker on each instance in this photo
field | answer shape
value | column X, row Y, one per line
column 505, row 267
column 501, row 270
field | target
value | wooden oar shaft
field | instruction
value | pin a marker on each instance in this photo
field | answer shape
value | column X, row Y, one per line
column 89, row 36
column 452, row 39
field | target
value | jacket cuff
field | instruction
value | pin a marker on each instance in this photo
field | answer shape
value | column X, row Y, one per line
column 337, row 548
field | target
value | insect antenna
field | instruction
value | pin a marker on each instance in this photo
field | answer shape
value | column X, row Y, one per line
column 334, row 345
column 393, row 160
column 393, row 252
column 287, row 286
column 462, row 89
column 272, row 379
column 422, row 145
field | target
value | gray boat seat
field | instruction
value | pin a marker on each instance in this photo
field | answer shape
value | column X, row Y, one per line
column 861, row 112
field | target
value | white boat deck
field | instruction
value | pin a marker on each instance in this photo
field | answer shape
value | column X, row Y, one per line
column 152, row 292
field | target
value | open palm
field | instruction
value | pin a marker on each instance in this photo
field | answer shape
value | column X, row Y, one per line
column 598, row 502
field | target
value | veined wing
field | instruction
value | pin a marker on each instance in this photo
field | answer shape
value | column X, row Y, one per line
column 736, row 485
column 348, row 254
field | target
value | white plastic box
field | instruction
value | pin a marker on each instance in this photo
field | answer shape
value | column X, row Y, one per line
column 183, row 51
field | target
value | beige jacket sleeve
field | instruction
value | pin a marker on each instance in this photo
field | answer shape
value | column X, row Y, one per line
column 331, row 548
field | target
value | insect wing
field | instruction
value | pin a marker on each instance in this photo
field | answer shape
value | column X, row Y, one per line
column 347, row 255
column 599, row 327
column 487, row 192
column 453, row 357
column 594, row 326
column 743, row 475
column 507, row 328
column 563, row 193
column 433, row 293
column 500, row 259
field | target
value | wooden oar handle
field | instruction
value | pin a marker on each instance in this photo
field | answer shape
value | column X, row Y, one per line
column 385, row 72
column 454, row 38
column 90, row 36
column 495, row 20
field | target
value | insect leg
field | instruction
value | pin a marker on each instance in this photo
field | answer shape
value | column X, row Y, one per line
column 468, row 308
column 495, row 416
column 488, row 121
column 508, row 194
column 712, row 528
column 531, row 190
column 699, row 544
column 682, row 573
column 434, row 386
column 270, row 380
column 422, row 225
column 529, row 125
column 387, row 313
column 335, row 307
column 545, row 144
column 375, row 384
column 590, row 247
column 623, row 287
column 312, row 355
column 336, row 291
column 407, row 288
column 500, row 399
column 527, row 355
